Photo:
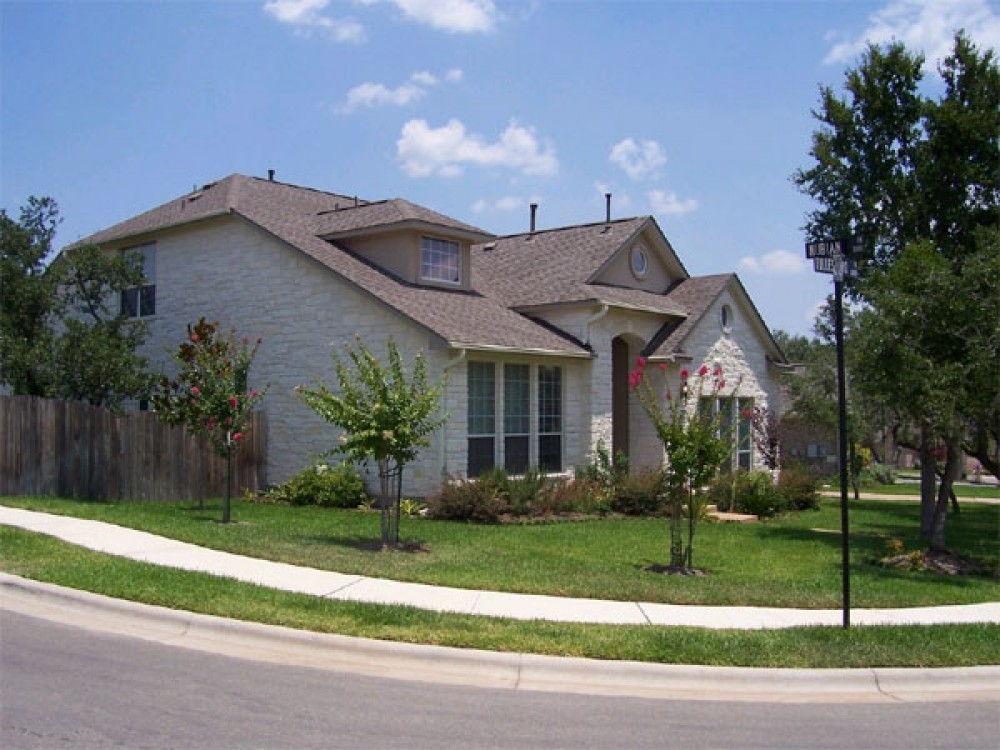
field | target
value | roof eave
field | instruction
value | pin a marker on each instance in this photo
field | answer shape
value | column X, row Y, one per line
column 469, row 235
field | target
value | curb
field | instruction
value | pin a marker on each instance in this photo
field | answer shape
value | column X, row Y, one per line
column 475, row 668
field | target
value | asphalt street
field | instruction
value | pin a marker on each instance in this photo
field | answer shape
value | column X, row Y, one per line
column 63, row 686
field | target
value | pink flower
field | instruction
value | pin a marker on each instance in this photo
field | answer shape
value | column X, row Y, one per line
column 195, row 390
column 722, row 384
column 633, row 379
column 237, row 437
column 255, row 394
column 195, row 338
column 233, row 401
column 748, row 413
column 210, row 424
column 640, row 362
column 662, row 366
column 703, row 371
column 684, row 373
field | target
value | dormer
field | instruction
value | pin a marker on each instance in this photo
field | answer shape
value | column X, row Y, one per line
column 415, row 244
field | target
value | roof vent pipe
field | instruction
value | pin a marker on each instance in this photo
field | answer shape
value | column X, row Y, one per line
column 607, row 198
column 270, row 175
column 534, row 210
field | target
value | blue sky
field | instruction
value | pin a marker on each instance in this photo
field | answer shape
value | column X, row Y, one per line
column 694, row 112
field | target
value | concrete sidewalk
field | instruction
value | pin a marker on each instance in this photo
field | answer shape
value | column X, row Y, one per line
column 145, row 547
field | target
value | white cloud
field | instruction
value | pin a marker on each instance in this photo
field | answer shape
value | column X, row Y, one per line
column 445, row 151
column 669, row 204
column 927, row 26
column 504, row 204
column 777, row 263
column 638, row 160
column 455, row 16
column 307, row 15
column 370, row 94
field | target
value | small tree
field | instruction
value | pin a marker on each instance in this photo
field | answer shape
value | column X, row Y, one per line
column 210, row 395
column 384, row 415
column 694, row 441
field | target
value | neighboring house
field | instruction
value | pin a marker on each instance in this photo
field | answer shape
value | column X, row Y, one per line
column 536, row 332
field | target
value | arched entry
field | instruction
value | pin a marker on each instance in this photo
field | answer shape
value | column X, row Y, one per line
column 621, row 361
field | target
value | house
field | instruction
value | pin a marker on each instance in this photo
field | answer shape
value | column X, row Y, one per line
column 536, row 332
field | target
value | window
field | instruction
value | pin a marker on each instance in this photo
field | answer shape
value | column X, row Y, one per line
column 640, row 261
column 140, row 301
column 550, row 419
column 532, row 423
column 516, row 418
column 726, row 316
column 439, row 260
column 482, row 417
column 734, row 420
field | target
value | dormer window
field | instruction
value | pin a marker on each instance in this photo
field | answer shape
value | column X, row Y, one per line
column 439, row 260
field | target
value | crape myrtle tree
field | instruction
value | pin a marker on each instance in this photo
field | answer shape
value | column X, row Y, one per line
column 694, row 441
column 385, row 413
column 61, row 334
column 917, row 180
column 211, row 395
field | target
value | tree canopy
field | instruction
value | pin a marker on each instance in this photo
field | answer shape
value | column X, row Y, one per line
column 61, row 334
column 917, row 181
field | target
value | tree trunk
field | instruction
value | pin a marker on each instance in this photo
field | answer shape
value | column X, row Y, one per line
column 384, row 503
column 928, row 481
column 952, row 471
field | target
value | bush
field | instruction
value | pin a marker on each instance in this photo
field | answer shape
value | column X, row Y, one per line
column 750, row 492
column 882, row 474
column 799, row 487
column 478, row 500
column 639, row 494
column 337, row 486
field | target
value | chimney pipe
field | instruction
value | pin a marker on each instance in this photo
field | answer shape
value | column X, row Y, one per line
column 534, row 210
column 607, row 198
column 270, row 175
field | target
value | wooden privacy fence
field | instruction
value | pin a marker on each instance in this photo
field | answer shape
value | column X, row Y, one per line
column 77, row 450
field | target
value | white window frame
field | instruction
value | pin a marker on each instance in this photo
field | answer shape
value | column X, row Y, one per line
column 144, row 305
column 435, row 250
column 500, row 412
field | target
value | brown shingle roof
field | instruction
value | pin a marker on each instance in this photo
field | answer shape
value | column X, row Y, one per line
column 554, row 267
column 298, row 216
column 693, row 296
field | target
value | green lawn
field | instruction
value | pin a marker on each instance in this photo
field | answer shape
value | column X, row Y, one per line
column 794, row 561
column 44, row 558
column 912, row 489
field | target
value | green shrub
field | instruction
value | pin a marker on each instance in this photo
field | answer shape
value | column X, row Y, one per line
column 526, row 495
column 757, row 495
column 799, row 487
column 750, row 492
column 336, row 486
column 882, row 474
column 468, row 500
column 639, row 494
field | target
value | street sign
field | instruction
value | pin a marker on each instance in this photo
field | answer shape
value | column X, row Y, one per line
column 829, row 248
column 823, row 264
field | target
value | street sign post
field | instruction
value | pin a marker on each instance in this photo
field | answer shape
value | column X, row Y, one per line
column 834, row 257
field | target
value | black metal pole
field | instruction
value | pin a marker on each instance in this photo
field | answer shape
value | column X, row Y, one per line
column 838, row 292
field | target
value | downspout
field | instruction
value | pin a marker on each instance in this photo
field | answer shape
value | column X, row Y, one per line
column 450, row 364
column 591, row 320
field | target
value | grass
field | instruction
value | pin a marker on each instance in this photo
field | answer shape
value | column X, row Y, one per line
column 44, row 558
column 792, row 562
column 912, row 489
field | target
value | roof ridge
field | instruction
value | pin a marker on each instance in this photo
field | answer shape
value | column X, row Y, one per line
column 586, row 225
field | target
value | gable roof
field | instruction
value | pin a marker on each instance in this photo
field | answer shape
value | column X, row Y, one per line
column 300, row 216
column 695, row 296
column 556, row 267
